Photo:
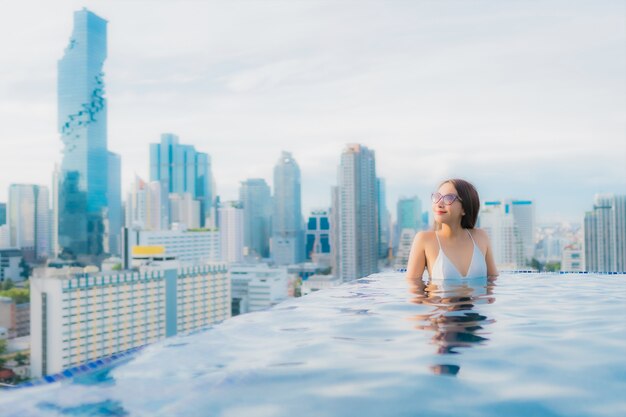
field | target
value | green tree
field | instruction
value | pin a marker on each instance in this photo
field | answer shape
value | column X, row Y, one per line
column 3, row 346
column 20, row 358
column 19, row 295
column 8, row 284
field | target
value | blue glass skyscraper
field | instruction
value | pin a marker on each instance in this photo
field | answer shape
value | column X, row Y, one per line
column 82, row 123
column 287, row 245
column 182, row 170
column 256, row 198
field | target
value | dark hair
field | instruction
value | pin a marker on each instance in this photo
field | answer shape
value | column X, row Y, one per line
column 469, row 201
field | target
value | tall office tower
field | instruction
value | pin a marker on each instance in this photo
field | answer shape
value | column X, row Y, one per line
column 256, row 198
column 605, row 231
column 28, row 220
column 114, row 199
column 82, row 317
column 318, row 233
column 231, row 231
column 507, row 245
column 384, row 219
column 147, row 206
column 524, row 216
column 334, row 230
column 619, row 237
column 357, row 213
column 82, row 122
column 3, row 213
column 287, row 246
column 183, row 170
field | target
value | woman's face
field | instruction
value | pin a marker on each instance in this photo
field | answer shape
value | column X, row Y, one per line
column 447, row 214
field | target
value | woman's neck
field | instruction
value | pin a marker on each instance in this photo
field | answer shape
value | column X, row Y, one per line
column 451, row 231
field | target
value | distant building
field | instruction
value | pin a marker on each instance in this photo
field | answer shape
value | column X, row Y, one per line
column 318, row 233
column 572, row 259
column 287, row 244
column 257, row 287
column 114, row 204
column 183, row 170
column 256, row 199
column 496, row 218
column 185, row 210
column 355, row 209
column 79, row 317
column 5, row 237
column 230, row 214
column 83, row 181
column 11, row 265
column 409, row 214
column 605, row 234
column 3, row 213
column 14, row 317
column 29, row 217
column 404, row 248
column 147, row 206
column 197, row 246
column 384, row 219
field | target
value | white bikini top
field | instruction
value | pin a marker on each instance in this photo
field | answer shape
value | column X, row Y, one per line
column 445, row 269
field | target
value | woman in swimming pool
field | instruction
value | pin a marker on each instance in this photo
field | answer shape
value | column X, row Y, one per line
column 454, row 249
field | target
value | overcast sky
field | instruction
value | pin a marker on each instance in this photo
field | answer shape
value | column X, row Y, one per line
column 526, row 99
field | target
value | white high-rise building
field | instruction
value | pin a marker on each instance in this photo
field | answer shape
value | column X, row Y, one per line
column 605, row 234
column 524, row 217
column 28, row 215
column 356, row 211
column 497, row 220
column 231, row 231
column 147, row 206
column 79, row 317
column 184, row 209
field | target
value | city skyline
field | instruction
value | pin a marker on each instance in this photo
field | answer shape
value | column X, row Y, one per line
column 419, row 84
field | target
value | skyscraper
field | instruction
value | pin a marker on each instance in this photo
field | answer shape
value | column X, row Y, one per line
column 114, row 198
column 355, row 208
column 605, row 234
column 498, row 221
column 183, row 170
column 28, row 217
column 82, row 123
column 287, row 246
column 147, row 206
column 384, row 220
column 231, row 231
column 256, row 198
column 3, row 213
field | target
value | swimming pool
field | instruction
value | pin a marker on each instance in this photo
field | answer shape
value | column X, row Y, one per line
column 528, row 344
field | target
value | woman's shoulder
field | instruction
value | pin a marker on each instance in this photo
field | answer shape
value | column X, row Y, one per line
column 424, row 237
column 481, row 237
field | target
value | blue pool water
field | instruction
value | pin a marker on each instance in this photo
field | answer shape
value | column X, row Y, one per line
column 526, row 345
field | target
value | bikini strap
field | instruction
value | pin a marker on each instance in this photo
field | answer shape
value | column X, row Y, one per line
column 468, row 232
column 438, row 241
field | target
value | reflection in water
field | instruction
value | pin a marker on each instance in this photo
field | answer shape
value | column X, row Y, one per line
column 452, row 319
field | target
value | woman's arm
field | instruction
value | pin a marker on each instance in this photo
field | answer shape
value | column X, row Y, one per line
column 417, row 259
